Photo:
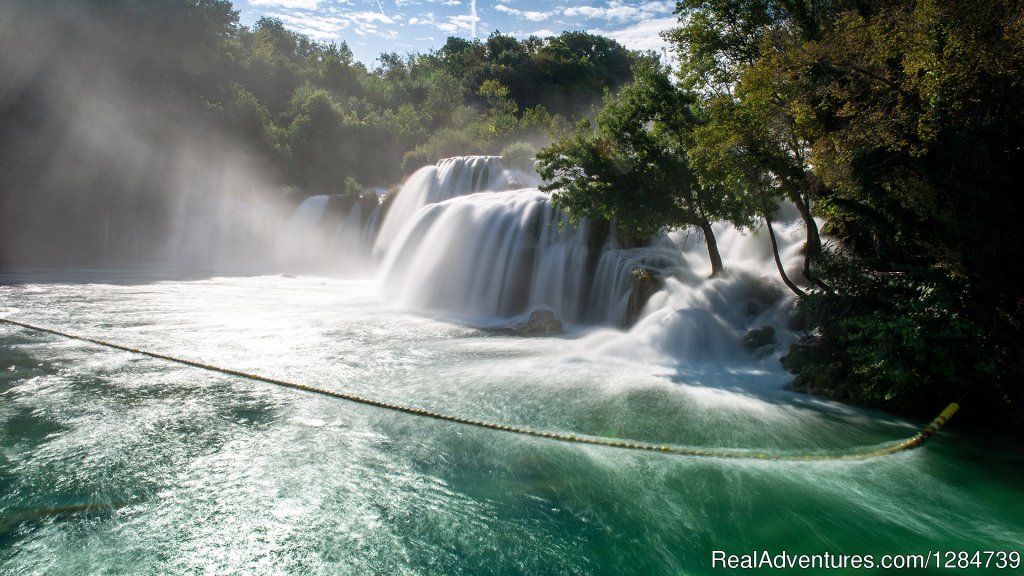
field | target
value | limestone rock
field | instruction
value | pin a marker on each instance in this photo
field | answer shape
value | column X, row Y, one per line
column 542, row 322
column 760, row 341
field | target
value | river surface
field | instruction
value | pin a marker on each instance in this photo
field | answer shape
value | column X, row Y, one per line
column 115, row 463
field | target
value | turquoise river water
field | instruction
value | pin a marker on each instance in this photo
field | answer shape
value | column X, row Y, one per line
column 112, row 463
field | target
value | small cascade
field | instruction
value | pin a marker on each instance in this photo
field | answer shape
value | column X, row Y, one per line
column 302, row 234
column 356, row 229
column 695, row 318
column 349, row 231
column 331, row 233
column 372, row 210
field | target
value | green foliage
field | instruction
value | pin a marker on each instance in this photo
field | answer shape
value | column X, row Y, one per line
column 633, row 167
column 923, row 161
column 519, row 152
column 445, row 143
column 248, row 119
column 352, row 187
column 925, row 138
column 758, row 127
column 907, row 342
column 500, row 117
column 519, row 155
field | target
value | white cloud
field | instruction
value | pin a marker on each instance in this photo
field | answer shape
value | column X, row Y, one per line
column 316, row 27
column 367, row 30
column 542, row 33
column 611, row 13
column 328, row 25
column 290, row 4
column 460, row 23
column 644, row 35
column 530, row 15
column 659, row 6
column 622, row 12
column 424, row 20
column 369, row 17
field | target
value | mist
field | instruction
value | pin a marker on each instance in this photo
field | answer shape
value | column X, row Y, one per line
column 110, row 156
column 164, row 133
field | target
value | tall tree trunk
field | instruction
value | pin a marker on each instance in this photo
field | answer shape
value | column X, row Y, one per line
column 778, row 261
column 716, row 257
column 812, row 248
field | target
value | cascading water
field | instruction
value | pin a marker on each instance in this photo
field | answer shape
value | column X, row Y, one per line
column 460, row 237
column 330, row 233
column 503, row 253
column 302, row 234
column 489, row 254
column 449, row 178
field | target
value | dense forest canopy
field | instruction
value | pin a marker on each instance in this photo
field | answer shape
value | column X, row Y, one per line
column 896, row 123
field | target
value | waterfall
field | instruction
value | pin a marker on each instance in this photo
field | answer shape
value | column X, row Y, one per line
column 302, row 235
column 354, row 233
column 465, row 238
column 489, row 254
column 349, row 232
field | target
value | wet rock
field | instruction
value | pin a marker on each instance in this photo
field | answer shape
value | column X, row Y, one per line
column 646, row 283
column 760, row 338
column 801, row 354
column 762, row 296
column 542, row 322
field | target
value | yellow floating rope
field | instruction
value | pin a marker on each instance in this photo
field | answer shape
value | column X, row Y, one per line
column 855, row 454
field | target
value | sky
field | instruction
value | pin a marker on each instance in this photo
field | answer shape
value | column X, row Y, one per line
column 372, row 27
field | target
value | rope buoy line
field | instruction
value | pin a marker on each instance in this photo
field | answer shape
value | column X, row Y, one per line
column 731, row 453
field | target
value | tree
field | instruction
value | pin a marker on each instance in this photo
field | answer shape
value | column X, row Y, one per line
column 900, row 122
column 572, row 71
column 922, row 161
column 273, row 66
column 758, row 130
column 500, row 118
column 634, row 168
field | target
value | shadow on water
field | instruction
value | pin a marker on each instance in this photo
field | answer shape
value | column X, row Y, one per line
column 16, row 524
column 26, row 426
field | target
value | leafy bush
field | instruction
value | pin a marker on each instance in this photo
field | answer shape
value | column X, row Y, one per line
column 901, row 341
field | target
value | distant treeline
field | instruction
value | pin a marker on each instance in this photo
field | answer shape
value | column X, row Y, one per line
column 318, row 116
